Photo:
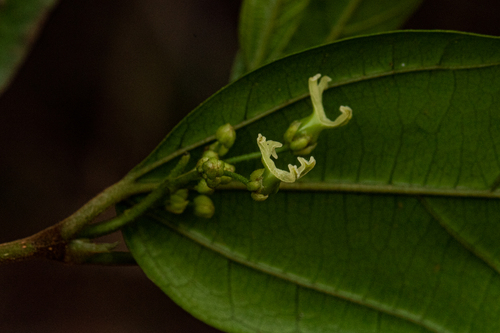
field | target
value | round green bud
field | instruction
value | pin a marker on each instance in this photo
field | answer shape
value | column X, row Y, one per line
column 226, row 135
column 210, row 153
column 256, row 174
column 254, row 186
column 223, row 150
column 183, row 193
column 203, row 207
column 213, row 183
column 213, row 168
column 225, row 179
column 306, row 151
column 203, row 188
column 259, row 197
column 199, row 164
column 177, row 202
column 300, row 143
column 290, row 132
column 229, row 167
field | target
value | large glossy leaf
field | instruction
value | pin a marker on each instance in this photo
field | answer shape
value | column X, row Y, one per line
column 19, row 23
column 397, row 227
column 272, row 29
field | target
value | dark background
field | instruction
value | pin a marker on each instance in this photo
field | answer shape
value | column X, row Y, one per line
column 104, row 83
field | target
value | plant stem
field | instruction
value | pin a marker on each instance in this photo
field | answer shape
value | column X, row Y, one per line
column 242, row 158
column 110, row 196
column 186, row 178
column 128, row 216
column 51, row 243
column 133, row 213
column 236, row 176
column 251, row 156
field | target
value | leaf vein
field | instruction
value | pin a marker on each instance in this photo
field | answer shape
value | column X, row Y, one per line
column 292, row 278
column 454, row 234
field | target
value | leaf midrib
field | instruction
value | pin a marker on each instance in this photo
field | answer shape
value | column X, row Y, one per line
column 411, row 190
column 149, row 167
column 298, row 280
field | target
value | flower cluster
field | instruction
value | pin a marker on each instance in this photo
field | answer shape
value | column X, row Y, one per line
column 209, row 173
column 300, row 138
column 211, row 169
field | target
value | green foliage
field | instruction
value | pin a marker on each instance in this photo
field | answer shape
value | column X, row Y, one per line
column 394, row 229
column 19, row 22
column 272, row 29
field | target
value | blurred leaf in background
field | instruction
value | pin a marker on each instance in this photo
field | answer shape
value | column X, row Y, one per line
column 100, row 88
column 269, row 30
column 20, row 23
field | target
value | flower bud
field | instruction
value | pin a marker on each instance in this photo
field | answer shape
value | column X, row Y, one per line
column 290, row 132
column 226, row 135
column 225, row 179
column 199, row 165
column 213, row 168
column 210, row 153
column 203, row 188
column 177, row 202
column 254, row 186
column 203, row 207
column 258, row 197
column 213, row 183
column 255, row 182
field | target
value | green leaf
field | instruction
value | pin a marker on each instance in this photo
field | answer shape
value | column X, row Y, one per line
column 326, row 21
column 395, row 229
column 19, row 25
column 272, row 29
column 266, row 27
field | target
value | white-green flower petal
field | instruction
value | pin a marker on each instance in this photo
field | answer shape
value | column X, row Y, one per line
column 268, row 149
column 316, row 91
column 305, row 166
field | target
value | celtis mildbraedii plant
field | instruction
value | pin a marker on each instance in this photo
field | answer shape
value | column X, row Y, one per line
column 301, row 138
column 391, row 226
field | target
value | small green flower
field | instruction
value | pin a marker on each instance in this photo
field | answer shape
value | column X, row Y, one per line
column 302, row 135
column 267, row 181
